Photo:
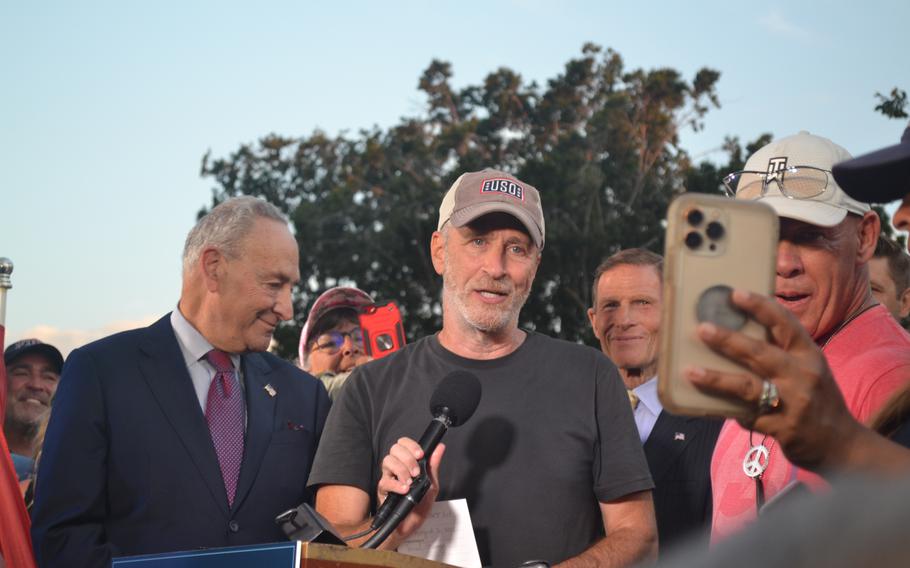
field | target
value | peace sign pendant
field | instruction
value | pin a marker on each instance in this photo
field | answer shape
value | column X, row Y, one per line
column 756, row 461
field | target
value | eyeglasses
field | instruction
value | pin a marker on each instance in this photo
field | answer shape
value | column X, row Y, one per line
column 333, row 341
column 795, row 182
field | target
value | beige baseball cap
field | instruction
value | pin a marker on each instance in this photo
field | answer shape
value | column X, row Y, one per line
column 804, row 149
column 490, row 191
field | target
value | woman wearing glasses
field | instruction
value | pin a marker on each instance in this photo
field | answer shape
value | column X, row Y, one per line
column 331, row 343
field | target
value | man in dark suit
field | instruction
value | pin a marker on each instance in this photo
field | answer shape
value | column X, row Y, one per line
column 626, row 320
column 185, row 434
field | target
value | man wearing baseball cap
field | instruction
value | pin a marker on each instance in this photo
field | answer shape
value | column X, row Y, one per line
column 826, row 240
column 32, row 372
column 811, row 422
column 550, row 461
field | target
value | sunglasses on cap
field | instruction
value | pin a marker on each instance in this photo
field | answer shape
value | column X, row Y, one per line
column 795, row 182
column 332, row 341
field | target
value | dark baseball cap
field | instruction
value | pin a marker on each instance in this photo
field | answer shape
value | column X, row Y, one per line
column 26, row 346
column 877, row 177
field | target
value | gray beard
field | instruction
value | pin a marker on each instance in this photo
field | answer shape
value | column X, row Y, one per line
column 497, row 321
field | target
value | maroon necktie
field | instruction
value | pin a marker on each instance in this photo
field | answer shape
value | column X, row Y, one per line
column 224, row 414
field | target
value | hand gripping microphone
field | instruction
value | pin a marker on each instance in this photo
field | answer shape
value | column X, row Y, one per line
column 452, row 404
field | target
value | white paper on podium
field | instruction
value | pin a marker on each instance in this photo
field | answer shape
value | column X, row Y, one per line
column 446, row 536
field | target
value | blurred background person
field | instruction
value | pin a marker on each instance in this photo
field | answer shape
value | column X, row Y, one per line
column 331, row 343
column 889, row 275
column 32, row 373
column 880, row 177
column 27, row 484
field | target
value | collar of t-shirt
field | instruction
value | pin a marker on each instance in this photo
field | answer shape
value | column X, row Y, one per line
column 194, row 346
column 648, row 409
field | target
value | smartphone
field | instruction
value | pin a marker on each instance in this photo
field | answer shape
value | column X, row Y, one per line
column 383, row 332
column 713, row 245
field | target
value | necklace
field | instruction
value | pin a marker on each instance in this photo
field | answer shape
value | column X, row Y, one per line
column 756, row 461
column 754, row 465
column 856, row 313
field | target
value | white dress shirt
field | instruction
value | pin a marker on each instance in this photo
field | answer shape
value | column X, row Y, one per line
column 648, row 409
column 194, row 347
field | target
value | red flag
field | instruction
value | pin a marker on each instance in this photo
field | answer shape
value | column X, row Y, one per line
column 15, row 543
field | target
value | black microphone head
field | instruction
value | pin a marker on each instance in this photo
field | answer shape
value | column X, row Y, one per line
column 456, row 396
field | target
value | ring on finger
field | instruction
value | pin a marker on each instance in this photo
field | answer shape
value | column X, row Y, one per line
column 770, row 398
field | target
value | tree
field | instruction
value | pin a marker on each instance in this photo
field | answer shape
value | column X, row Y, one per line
column 893, row 106
column 707, row 177
column 601, row 144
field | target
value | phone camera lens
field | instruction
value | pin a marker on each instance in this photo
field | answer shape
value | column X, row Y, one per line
column 693, row 240
column 384, row 342
column 715, row 230
column 695, row 217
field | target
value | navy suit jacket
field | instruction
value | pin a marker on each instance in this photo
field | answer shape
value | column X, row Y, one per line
column 679, row 451
column 129, row 466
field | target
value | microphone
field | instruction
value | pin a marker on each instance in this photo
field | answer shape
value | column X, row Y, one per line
column 452, row 404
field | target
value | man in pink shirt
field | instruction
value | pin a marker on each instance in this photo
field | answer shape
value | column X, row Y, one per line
column 826, row 241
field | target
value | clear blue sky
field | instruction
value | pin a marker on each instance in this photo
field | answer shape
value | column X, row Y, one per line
column 106, row 108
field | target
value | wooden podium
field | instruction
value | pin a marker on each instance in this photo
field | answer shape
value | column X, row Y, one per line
column 332, row 556
column 279, row 555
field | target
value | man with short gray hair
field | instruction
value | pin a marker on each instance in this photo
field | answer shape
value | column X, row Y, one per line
column 550, row 463
column 185, row 434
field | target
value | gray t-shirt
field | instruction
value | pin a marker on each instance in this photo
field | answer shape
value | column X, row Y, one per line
column 552, row 437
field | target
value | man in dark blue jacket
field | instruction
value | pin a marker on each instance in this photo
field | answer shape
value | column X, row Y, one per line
column 185, row 434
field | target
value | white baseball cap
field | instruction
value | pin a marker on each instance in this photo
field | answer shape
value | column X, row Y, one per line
column 804, row 149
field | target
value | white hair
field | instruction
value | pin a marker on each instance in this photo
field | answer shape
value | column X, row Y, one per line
column 225, row 226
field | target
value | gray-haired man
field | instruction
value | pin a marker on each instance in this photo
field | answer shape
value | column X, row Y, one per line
column 551, row 459
column 185, row 435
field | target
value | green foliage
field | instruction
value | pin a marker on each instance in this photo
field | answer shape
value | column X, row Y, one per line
column 706, row 177
column 600, row 142
column 888, row 230
column 893, row 106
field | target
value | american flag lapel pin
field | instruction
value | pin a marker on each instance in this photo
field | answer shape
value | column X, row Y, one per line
column 270, row 389
column 679, row 437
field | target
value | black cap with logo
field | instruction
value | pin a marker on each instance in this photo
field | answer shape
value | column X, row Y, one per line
column 25, row 346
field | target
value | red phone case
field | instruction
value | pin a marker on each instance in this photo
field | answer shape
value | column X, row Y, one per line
column 383, row 332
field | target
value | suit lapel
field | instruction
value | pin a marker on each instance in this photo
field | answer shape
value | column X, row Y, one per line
column 260, row 413
column 669, row 437
column 163, row 368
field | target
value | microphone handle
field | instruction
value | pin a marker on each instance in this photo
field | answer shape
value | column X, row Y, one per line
column 428, row 442
column 401, row 510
